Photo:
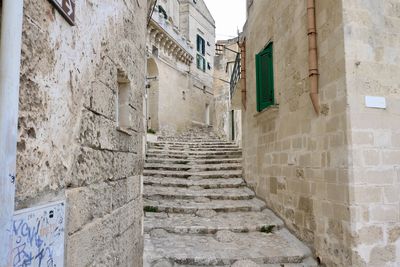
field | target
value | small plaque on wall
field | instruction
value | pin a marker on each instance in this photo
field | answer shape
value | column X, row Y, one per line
column 66, row 9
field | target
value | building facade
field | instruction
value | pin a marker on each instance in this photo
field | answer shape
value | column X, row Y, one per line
column 228, row 115
column 180, row 49
column 81, row 129
column 333, row 176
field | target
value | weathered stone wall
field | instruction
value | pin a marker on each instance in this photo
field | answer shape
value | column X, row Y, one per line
column 69, row 143
column 298, row 161
column 372, row 46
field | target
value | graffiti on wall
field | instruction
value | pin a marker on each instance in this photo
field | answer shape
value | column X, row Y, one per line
column 38, row 236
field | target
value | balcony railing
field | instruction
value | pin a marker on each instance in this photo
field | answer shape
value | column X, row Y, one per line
column 236, row 72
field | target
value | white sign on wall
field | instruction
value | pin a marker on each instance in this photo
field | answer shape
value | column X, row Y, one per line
column 38, row 236
column 375, row 102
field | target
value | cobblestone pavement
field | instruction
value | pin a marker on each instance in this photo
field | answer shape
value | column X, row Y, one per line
column 200, row 212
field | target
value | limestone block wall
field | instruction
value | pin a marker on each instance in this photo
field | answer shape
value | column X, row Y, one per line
column 69, row 143
column 372, row 47
column 298, row 161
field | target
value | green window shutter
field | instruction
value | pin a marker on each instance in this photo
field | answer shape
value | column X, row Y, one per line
column 265, row 78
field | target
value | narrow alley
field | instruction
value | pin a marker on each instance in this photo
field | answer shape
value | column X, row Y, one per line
column 199, row 133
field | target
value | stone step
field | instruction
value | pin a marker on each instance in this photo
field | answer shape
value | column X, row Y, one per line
column 194, row 175
column 210, row 223
column 193, row 156
column 165, row 145
column 194, row 161
column 193, row 143
column 224, row 248
column 204, row 183
column 192, row 206
column 190, row 139
column 195, row 149
column 162, row 192
column 186, row 167
column 194, row 153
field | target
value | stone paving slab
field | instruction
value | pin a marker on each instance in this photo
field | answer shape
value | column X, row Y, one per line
column 276, row 248
column 195, row 149
column 205, row 183
column 233, row 221
column 193, row 161
column 185, row 167
column 194, row 145
column 193, row 156
column 194, row 142
column 187, row 174
column 191, row 152
column 159, row 192
column 190, row 206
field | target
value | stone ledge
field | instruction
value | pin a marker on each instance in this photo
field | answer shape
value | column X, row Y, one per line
column 269, row 110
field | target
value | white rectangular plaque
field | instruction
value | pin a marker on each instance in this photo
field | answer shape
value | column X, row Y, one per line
column 38, row 236
column 375, row 102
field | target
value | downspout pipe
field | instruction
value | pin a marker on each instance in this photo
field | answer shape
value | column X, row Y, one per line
column 10, row 57
column 313, row 55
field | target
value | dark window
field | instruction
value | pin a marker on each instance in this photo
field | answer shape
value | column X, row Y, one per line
column 265, row 78
column 201, row 51
column 162, row 11
column 201, row 45
column 201, row 62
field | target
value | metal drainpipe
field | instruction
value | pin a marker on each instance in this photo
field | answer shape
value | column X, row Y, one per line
column 313, row 55
column 10, row 57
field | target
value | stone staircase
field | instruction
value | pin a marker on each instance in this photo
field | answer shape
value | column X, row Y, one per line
column 199, row 211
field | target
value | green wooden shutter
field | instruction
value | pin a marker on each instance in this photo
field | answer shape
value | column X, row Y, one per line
column 265, row 78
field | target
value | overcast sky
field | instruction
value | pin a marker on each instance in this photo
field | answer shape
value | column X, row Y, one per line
column 229, row 15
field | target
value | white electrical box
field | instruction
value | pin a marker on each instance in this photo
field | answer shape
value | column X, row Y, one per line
column 38, row 236
column 375, row 102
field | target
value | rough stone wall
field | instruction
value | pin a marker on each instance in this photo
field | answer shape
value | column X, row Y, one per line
column 372, row 45
column 69, row 145
column 297, row 161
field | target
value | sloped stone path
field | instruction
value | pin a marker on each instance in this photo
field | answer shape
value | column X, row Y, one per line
column 199, row 211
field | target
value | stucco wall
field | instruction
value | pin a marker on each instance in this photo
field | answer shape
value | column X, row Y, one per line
column 298, row 161
column 183, row 91
column 179, row 101
column 372, row 46
column 69, row 146
column 196, row 19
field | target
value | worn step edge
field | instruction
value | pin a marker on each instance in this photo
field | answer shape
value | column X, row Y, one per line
column 188, row 207
column 157, row 193
column 204, row 183
column 238, row 222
